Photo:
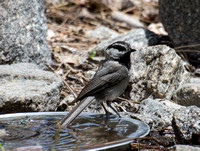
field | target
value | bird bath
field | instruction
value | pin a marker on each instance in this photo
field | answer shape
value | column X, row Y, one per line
column 89, row 131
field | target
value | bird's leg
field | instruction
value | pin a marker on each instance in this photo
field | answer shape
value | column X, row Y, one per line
column 105, row 109
column 109, row 104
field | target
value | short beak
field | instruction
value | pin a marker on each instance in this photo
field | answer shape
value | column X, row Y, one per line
column 132, row 50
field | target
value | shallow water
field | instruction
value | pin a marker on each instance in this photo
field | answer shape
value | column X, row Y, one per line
column 86, row 130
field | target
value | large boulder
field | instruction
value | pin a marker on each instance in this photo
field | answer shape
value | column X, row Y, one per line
column 156, row 72
column 24, row 87
column 23, row 32
column 181, row 20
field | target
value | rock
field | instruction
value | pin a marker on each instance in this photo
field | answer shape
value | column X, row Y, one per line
column 96, row 59
column 186, row 125
column 188, row 94
column 63, row 105
column 157, row 28
column 185, row 148
column 25, row 88
column 90, row 74
column 23, row 32
column 51, row 34
column 197, row 72
column 181, row 21
column 102, row 32
column 156, row 72
column 137, row 38
column 3, row 133
column 164, row 135
column 157, row 113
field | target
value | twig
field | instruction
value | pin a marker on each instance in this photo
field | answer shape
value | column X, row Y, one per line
column 69, row 88
column 188, row 50
column 186, row 46
column 146, row 146
column 128, row 100
column 120, row 107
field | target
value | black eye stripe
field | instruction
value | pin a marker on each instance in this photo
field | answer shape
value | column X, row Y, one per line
column 119, row 45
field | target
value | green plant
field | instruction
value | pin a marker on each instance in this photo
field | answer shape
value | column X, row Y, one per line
column 92, row 53
column 1, row 147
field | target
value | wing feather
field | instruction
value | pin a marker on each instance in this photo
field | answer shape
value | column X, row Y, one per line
column 108, row 75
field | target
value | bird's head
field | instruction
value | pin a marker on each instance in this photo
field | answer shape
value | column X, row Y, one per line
column 119, row 50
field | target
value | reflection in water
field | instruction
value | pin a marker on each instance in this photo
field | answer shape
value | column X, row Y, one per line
column 85, row 130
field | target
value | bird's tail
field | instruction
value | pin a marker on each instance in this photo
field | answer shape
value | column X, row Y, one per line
column 76, row 111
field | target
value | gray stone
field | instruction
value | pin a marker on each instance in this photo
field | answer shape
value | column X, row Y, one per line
column 186, row 125
column 24, row 87
column 181, row 20
column 137, row 38
column 185, row 148
column 188, row 94
column 156, row 113
column 102, row 32
column 23, row 32
column 3, row 132
column 90, row 74
column 156, row 72
column 63, row 105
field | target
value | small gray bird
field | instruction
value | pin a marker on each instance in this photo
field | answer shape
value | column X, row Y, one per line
column 109, row 82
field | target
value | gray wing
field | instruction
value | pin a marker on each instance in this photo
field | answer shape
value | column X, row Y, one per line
column 108, row 75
